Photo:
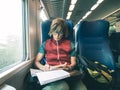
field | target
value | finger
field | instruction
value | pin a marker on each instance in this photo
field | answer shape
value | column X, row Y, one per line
column 65, row 63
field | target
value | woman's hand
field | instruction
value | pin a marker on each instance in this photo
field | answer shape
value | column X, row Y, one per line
column 61, row 66
column 66, row 67
column 46, row 67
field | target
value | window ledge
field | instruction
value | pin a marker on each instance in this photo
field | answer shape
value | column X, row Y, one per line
column 6, row 87
column 8, row 73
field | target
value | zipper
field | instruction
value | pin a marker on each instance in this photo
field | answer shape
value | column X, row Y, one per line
column 58, row 55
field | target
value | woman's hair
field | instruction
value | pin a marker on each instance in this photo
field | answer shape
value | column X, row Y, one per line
column 59, row 26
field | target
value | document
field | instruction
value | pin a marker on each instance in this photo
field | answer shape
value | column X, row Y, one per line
column 51, row 76
column 34, row 71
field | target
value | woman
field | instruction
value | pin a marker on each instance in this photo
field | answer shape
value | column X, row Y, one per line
column 60, row 54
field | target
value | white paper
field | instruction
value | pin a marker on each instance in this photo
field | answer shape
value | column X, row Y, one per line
column 34, row 71
column 51, row 76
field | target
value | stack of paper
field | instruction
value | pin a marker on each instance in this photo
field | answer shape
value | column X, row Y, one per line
column 51, row 76
column 34, row 71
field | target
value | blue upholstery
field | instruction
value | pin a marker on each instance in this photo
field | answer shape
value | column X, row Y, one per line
column 93, row 44
column 45, row 28
column 115, row 44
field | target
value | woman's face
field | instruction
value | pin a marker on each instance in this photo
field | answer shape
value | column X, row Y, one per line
column 57, row 36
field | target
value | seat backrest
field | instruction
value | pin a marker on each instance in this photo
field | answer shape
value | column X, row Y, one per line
column 115, row 42
column 92, row 38
column 45, row 28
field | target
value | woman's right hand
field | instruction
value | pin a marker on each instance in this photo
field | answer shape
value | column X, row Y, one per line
column 46, row 67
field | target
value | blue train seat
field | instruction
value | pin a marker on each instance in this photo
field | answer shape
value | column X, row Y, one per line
column 115, row 45
column 45, row 28
column 92, row 37
column 93, row 43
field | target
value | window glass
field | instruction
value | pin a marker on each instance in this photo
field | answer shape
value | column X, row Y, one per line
column 11, row 33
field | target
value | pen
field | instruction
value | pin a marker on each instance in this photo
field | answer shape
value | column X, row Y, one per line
column 47, row 65
column 46, row 62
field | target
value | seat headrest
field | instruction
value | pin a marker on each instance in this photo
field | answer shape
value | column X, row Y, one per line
column 45, row 28
column 98, row 28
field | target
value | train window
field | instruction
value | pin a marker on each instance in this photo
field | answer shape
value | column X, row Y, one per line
column 11, row 33
column 43, row 15
column 113, row 18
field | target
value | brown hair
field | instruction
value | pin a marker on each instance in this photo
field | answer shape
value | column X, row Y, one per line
column 59, row 25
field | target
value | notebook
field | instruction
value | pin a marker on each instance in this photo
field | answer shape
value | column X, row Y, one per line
column 51, row 76
column 34, row 71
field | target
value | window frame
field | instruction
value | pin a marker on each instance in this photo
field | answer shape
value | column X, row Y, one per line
column 16, row 67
